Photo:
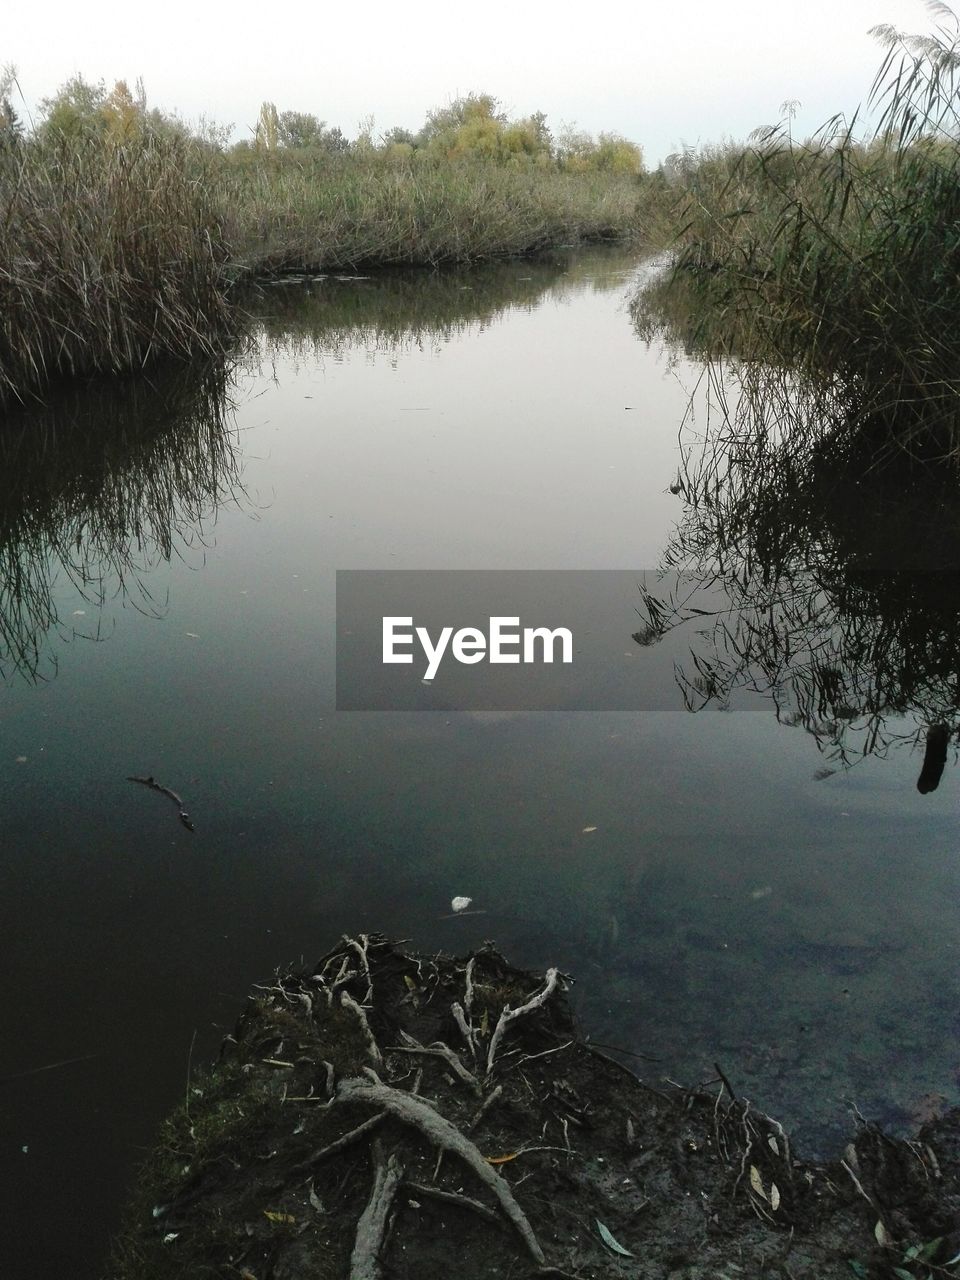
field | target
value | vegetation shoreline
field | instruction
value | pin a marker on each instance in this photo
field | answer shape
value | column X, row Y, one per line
column 124, row 238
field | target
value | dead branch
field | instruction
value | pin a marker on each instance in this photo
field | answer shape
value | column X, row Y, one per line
column 488, row 1102
column 468, row 986
column 439, row 1050
column 511, row 1015
column 361, row 950
column 454, row 1197
column 339, row 1145
column 466, row 1027
column 373, row 1049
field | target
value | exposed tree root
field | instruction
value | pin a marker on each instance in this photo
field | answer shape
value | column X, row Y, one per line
column 441, row 1133
column 374, row 1221
column 347, row 1162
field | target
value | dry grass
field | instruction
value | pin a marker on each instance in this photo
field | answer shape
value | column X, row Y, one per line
column 109, row 257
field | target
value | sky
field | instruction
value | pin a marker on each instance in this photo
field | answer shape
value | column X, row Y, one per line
column 665, row 75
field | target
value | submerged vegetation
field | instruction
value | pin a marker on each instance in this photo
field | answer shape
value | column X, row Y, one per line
column 124, row 235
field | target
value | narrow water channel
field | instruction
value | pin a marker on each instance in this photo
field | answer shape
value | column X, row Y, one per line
column 168, row 610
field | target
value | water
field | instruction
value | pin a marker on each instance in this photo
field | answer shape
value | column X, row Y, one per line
column 174, row 616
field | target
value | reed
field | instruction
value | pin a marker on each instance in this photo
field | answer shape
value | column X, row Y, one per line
column 110, row 256
column 116, row 252
column 291, row 212
column 840, row 258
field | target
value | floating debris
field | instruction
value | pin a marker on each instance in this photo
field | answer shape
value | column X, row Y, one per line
column 165, row 791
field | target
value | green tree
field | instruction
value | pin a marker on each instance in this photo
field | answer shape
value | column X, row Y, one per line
column 124, row 115
column 75, row 110
column 300, row 129
column 443, row 124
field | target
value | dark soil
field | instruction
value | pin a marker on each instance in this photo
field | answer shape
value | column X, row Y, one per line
column 613, row 1177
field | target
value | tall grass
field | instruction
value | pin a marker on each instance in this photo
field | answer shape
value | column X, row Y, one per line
column 842, row 258
column 113, row 253
column 110, row 255
column 288, row 213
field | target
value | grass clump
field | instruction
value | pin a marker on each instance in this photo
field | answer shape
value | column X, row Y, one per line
column 122, row 233
column 304, row 213
column 841, row 258
column 111, row 254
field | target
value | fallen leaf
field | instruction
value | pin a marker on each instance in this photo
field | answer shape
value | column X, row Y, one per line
column 411, row 985
column 774, row 1197
column 757, row 1182
column 610, row 1242
column 884, row 1238
column 314, row 1199
column 772, row 1144
column 586, row 831
column 278, row 1217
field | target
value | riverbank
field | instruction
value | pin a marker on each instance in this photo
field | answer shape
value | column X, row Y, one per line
column 389, row 1113
column 836, row 257
column 114, row 254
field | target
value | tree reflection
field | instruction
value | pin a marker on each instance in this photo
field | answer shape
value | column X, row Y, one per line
column 99, row 486
column 818, row 560
column 392, row 311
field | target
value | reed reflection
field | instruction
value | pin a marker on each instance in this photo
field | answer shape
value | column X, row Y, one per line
column 96, row 489
column 393, row 311
column 818, row 557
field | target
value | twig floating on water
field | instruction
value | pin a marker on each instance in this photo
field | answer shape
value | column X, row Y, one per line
column 152, row 783
column 50, row 1066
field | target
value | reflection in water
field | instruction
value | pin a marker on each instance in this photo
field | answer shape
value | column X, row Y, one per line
column 836, row 559
column 98, row 487
column 716, row 905
column 394, row 311
column 934, row 759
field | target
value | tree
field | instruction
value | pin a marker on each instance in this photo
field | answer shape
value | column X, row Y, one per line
column 76, row 109
column 123, row 114
column 579, row 152
column 444, row 123
column 267, row 132
column 300, row 129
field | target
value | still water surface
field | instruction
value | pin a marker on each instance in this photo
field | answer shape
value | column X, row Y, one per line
column 727, row 907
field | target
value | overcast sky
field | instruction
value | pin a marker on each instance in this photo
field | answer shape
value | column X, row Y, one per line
column 664, row 74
